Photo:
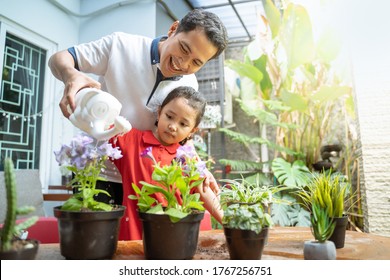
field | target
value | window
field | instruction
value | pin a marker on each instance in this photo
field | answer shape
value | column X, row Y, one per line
column 26, row 98
column 21, row 99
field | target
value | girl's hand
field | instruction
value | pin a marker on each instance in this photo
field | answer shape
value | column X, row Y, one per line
column 210, row 182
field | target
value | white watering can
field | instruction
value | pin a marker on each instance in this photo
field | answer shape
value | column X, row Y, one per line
column 97, row 113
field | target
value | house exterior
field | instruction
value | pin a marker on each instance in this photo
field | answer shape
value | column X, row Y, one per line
column 43, row 27
column 30, row 32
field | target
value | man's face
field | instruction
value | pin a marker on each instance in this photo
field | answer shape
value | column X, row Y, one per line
column 185, row 53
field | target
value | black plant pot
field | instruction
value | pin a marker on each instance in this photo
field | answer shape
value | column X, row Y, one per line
column 28, row 252
column 164, row 240
column 338, row 236
column 245, row 244
column 88, row 235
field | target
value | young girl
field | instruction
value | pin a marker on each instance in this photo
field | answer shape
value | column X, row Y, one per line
column 177, row 120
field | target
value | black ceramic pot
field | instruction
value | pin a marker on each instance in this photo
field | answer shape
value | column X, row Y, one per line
column 164, row 240
column 28, row 252
column 338, row 236
column 88, row 235
column 245, row 244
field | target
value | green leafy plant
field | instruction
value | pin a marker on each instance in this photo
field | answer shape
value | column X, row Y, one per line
column 322, row 224
column 245, row 204
column 86, row 161
column 325, row 197
column 290, row 83
column 294, row 174
column 174, row 182
column 329, row 189
column 290, row 212
column 10, row 230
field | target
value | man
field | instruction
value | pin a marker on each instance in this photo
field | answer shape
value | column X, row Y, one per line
column 140, row 71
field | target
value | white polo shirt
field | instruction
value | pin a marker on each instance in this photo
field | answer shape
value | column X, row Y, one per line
column 127, row 67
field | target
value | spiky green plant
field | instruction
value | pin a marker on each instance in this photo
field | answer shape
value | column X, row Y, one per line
column 322, row 225
column 10, row 229
column 329, row 189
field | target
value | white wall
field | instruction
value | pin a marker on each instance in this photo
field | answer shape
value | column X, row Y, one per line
column 366, row 29
column 137, row 17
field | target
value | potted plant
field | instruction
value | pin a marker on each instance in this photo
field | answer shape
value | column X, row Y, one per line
column 88, row 229
column 332, row 189
column 12, row 246
column 322, row 228
column 246, row 219
column 171, row 231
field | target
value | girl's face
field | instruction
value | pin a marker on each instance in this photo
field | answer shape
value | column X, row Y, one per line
column 184, row 53
column 176, row 121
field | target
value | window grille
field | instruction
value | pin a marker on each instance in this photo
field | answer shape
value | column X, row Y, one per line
column 21, row 99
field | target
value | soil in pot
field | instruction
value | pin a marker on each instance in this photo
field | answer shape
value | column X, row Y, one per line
column 88, row 235
column 164, row 240
column 338, row 236
column 245, row 244
column 21, row 250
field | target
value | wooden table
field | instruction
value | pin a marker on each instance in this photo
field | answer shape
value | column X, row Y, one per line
column 283, row 243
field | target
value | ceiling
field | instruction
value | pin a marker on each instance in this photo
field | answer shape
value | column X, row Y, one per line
column 239, row 16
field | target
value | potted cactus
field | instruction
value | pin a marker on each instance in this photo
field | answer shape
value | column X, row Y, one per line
column 12, row 246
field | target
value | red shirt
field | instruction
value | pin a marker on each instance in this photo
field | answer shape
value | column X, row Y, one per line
column 135, row 168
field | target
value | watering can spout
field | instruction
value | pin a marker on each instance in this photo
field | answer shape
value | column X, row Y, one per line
column 97, row 113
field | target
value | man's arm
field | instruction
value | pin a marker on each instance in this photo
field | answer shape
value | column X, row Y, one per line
column 63, row 68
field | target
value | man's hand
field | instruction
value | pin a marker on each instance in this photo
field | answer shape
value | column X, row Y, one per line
column 74, row 84
column 62, row 66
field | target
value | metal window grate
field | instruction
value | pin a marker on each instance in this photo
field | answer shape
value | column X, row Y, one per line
column 21, row 97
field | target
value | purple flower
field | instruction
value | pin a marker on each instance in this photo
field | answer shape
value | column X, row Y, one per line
column 147, row 153
column 185, row 151
column 106, row 149
column 82, row 151
column 201, row 167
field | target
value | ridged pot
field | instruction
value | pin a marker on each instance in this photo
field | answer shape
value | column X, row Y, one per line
column 245, row 244
column 165, row 240
column 88, row 235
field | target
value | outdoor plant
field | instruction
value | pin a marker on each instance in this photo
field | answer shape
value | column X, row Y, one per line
column 183, row 175
column 86, row 161
column 322, row 225
column 10, row 230
column 212, row 116
column 290, row 83
column 294, row 175
column 245, row 205
column 328, row 190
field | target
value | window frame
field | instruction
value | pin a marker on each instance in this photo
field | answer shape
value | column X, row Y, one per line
column 47, row 119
